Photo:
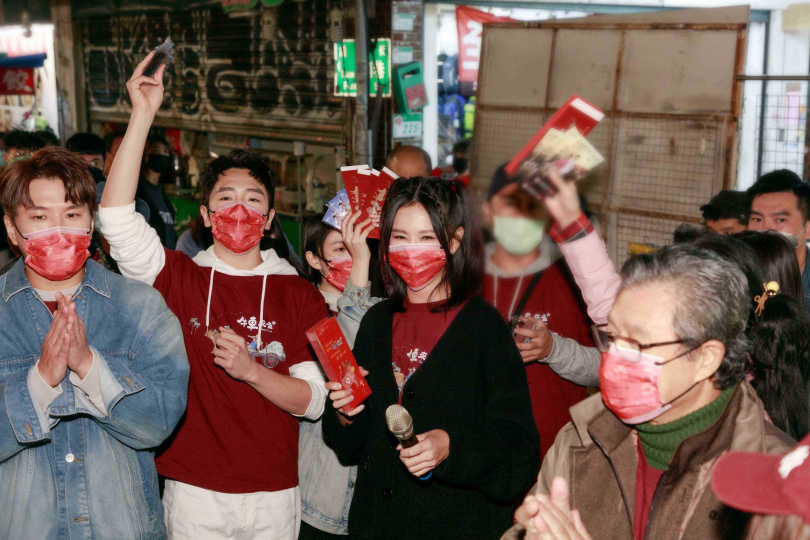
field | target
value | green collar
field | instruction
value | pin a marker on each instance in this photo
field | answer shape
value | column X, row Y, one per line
column 660, row 441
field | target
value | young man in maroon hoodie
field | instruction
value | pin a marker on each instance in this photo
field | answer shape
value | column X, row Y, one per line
column 527, row 283
column 232, row 465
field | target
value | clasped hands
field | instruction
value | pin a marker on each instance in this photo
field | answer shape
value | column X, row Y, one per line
column 65, row 345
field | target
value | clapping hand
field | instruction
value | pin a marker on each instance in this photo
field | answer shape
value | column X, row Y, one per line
column 551, row 518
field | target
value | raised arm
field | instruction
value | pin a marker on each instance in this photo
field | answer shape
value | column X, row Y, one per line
column 146, row 94
column 584, row 251
column 134, row 245
column 356, row 299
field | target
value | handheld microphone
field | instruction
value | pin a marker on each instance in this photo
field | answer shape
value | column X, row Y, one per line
column 400, row 424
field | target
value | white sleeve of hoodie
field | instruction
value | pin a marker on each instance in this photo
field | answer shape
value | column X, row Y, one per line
column 134, row 245
column 311, row 372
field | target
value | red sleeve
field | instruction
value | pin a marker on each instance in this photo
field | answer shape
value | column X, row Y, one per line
column 175, row 265
column 311, row 310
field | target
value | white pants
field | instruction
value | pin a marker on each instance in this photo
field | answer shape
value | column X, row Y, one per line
column 194, row 513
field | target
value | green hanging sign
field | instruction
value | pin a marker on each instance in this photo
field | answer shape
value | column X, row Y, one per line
column 379, row 67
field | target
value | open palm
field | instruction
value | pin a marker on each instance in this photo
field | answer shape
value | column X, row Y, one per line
column 146, row 93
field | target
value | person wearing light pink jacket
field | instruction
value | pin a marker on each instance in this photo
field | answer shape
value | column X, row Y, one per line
column 595, row 275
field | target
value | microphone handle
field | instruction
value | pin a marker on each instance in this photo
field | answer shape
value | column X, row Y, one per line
column 409, row 441
column 413, row 441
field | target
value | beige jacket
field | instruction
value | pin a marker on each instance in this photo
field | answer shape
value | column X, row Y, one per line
column 597, row 454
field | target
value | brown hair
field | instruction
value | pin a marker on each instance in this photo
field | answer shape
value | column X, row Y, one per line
column 49, row 162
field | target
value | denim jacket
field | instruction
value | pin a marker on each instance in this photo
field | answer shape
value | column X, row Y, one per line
column 326, row 485
column 73, row 471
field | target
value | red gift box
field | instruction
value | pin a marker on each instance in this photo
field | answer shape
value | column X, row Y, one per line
column 337, row 359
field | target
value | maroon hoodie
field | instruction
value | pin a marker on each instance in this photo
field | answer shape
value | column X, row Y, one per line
column 555, row 301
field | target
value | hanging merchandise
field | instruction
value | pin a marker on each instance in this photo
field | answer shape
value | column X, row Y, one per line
column 454, row 108
column 469, row 117
column 448, row 73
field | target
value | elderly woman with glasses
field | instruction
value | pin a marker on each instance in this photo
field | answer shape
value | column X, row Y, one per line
column 637, row 459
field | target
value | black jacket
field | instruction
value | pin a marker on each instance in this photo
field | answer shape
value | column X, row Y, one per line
column 473, row 386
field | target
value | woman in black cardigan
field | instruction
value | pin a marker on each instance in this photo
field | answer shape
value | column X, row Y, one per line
column 450, row 360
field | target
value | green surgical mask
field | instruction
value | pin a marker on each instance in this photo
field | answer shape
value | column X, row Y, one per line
column 518, row 235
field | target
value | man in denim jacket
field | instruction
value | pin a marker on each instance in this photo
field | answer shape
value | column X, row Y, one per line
column 93, row 372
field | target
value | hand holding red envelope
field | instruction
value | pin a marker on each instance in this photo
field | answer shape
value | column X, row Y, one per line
column 365, row 191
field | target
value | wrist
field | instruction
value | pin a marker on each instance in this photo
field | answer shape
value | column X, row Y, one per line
column 84, row 365
column 569, row 218
column 252, row 374
column 50, row 378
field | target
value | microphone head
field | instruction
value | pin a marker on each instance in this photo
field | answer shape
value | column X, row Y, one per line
column 399, row 421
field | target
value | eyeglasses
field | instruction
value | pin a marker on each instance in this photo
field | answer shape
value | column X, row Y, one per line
column 603, row 339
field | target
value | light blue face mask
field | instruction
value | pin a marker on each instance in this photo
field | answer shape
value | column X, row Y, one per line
column 518, row 235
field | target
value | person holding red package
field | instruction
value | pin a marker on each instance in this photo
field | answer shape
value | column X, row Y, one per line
column 231, row 467
column 447, row 356
column 338, row 264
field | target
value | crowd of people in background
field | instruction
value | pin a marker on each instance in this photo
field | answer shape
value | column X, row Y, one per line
column 157, row 386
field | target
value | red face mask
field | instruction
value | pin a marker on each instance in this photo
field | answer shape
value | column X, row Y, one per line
column 57, row 253
column 339, row 270
column 417, row 264
column 237, row 227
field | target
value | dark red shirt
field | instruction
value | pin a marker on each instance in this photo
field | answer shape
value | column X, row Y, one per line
column 415, row 332
column 232, row 439
column 646, row 481
column 554, row 302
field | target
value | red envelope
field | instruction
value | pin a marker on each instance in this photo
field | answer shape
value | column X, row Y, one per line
column 337, row 359
column 353, row 188
column 575, row 112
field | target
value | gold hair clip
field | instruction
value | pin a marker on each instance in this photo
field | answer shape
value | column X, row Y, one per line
column 771, row 289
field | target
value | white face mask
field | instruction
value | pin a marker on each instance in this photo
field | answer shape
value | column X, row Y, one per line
column 792, row 238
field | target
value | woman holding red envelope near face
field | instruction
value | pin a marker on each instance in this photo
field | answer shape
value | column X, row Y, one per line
column 447, row 356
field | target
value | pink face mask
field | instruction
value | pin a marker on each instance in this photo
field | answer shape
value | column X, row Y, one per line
column 237, row 227
column 57, row 253
column 417, row 264
column 630, row 389
column 339, row 270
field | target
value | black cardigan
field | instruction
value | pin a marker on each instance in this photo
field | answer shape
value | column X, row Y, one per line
column 473, row 386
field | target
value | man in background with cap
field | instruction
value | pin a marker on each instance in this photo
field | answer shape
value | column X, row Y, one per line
column 727, row 212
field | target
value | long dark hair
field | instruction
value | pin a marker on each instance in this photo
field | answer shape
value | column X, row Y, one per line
column 315, row 234
column 778, row 260
column 777, row 339
column 449, row 206
column 780, row 361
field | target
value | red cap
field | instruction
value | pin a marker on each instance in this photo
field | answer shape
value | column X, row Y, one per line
column 766, row 484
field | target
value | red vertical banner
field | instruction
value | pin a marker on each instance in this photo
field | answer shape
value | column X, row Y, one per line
column 470, row 22
column 16, row 81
